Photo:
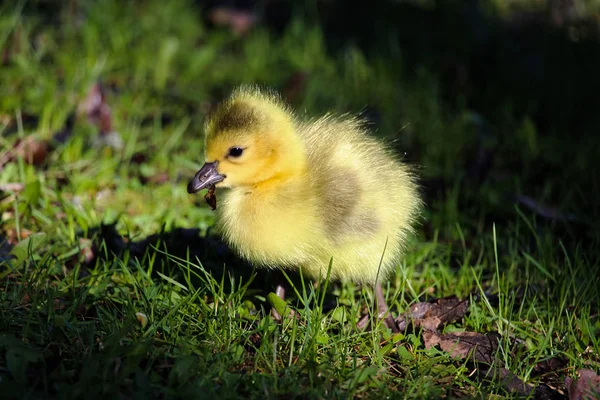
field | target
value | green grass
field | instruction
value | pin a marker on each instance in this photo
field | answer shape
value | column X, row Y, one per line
column 72, row 329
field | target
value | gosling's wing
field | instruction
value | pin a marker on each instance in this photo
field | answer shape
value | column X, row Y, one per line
column 363, row 189
column 336, row 156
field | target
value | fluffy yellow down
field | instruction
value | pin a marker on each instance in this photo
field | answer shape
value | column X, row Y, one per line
column 306, row 191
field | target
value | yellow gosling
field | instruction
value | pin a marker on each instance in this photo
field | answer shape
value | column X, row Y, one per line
column 304, row 191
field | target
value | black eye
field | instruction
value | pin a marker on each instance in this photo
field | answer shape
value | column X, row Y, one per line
column 235, row 152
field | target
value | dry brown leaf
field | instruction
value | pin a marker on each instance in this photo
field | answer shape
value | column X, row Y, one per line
column 99, row 113
column 482, row 348
column 13, row 238
column 430, row 323
column 433, row 315
column 415, row 312
column 550, row 366
column 508, row 380
column 448, row 309
column 584, row 388
column 32, row 150
column 475, row 346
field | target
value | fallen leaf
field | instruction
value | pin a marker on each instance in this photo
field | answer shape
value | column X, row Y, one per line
column 13, row 237
column 99, row 113
column 34, row 151
column 432, row 315
column 448, row 309
column 482, row 348
column 472, row 345
column 551, row 365
column 551, row 374
column 416, row 312
column 430, row 323
column 31, row 149
column 508, row 380
column 584, row 388
column 95, row 108
column 546, row 392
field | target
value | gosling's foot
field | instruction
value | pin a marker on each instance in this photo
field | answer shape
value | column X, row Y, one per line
column 278, row 318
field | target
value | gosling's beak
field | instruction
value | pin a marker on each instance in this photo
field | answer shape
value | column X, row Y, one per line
column 206, row 177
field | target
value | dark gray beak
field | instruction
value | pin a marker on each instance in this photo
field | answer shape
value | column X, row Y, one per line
column 205, row 178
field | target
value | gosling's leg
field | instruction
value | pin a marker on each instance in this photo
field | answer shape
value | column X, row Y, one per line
column 383, row 312
column 280, row 292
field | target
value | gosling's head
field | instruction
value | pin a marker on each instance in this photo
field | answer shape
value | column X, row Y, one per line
column 250, row 139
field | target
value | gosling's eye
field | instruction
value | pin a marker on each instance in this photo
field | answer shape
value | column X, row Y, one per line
column 235, row 152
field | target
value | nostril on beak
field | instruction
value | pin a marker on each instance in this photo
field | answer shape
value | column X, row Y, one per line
column 205, row 177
